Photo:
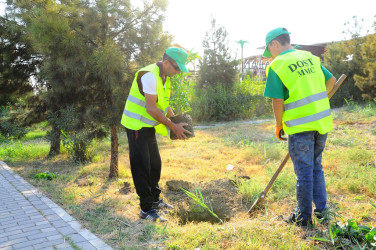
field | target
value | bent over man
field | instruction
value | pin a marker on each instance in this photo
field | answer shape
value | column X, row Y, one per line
column 146, row 112
column 299, row 85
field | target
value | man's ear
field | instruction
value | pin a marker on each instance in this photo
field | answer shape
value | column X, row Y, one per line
column 274, row 43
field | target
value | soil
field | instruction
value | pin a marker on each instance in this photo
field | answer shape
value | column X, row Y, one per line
column 182, row 118
column 221, row 195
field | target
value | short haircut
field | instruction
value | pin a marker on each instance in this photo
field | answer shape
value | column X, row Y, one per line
column 167, row 58
column 283, row 39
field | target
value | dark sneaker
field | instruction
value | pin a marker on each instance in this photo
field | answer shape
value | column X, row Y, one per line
column 321, row 215
column 152, row 215
column 293, row 219
column 161, row 204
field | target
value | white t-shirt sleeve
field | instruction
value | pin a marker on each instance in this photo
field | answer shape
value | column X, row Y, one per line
column 149, row 83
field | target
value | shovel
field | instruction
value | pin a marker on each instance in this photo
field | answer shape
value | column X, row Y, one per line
column 270, row 184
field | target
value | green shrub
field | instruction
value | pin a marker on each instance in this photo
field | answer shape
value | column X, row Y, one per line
column 46, row 175
column 226, row 104
column 10, row 129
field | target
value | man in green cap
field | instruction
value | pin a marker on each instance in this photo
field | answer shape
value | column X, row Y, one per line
column 299, row 85
column 146, row 112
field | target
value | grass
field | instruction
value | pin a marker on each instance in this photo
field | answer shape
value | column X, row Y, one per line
column 100, row 205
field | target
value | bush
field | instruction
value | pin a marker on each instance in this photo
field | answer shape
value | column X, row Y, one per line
column 242, row 101
column 8, row 128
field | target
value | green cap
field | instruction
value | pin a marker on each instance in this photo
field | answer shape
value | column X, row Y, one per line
column 270, row 36
column 179, row 56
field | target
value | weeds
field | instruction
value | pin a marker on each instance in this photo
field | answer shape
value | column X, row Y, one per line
column 46, row 175
column 348, row 235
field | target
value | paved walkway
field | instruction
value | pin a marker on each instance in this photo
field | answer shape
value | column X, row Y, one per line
column 29, row 220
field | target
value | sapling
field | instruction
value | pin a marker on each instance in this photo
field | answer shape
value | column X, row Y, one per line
column 199, row 199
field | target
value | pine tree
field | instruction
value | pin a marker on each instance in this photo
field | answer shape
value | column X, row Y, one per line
column 91, row 50
column 17, row 61
column 217, row 67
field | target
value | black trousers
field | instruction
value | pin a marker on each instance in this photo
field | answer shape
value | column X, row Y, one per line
column 146, row 165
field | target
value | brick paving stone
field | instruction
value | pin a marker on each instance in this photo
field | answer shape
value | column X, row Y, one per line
column 49, row 244
column 16, row 236
column 29, row 220
column 59, row 223
column 6, row 248
column 64, row 246
column 47, row 248
column 28, row 243
column 86, row 246
column 12, row 242
column 42, row 235
column 26, row 248
column 76, row 238
column 66, row 230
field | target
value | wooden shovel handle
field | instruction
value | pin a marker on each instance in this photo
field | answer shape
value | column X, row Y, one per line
column 271, row 182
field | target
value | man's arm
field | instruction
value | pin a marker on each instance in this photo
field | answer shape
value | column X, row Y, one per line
column 158, row 115
column 170, row 112
column 330, row 84
column 278, row 111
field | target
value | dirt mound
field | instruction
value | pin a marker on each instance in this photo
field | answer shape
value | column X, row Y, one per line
column 220, row 195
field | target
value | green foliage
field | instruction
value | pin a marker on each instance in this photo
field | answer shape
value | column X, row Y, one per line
column 182, row 88
column 16, row 151
column 367, row 80
column 90, row 52
column 78, row 141
column 348, row 235
column 199, row 199
column 18, row 62
column 45, row 175
column 9, row 128
column 217, row 68
column 241, row 101
column 353, row 57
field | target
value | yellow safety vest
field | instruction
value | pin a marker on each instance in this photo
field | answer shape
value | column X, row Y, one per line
column 135, row 115
column 307, row 108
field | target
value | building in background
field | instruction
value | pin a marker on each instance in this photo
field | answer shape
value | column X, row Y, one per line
column 256, row 65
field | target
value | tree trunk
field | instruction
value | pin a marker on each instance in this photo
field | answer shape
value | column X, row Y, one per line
column 55, row 141
column 114, row 165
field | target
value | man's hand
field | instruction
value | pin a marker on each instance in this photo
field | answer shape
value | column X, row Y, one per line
column 180, row 131
column 279, row 133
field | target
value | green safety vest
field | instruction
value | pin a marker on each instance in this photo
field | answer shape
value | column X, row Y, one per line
column 135, row 115
column 307, row 108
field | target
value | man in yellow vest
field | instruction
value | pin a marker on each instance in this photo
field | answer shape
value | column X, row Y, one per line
column 146, row 112
column 298, row 85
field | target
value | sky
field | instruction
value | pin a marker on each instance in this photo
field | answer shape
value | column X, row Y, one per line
column 308, row 21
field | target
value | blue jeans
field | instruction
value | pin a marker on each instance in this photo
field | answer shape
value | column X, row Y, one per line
column 306, row 153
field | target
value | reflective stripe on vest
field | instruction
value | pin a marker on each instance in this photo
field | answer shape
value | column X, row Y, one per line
column 141, row 103
column 140, row 118
column 310, row 118
column 135, row 115
column 305, row 101
column 307, row 108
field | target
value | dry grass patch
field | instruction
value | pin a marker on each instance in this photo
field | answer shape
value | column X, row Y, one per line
column 110, row 208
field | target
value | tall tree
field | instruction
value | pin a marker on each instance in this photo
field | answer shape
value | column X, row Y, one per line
column 346, row 57
column 367, row 80
column 91, row 51
column 17, row 61
column 125, row 38
column 217, row 66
